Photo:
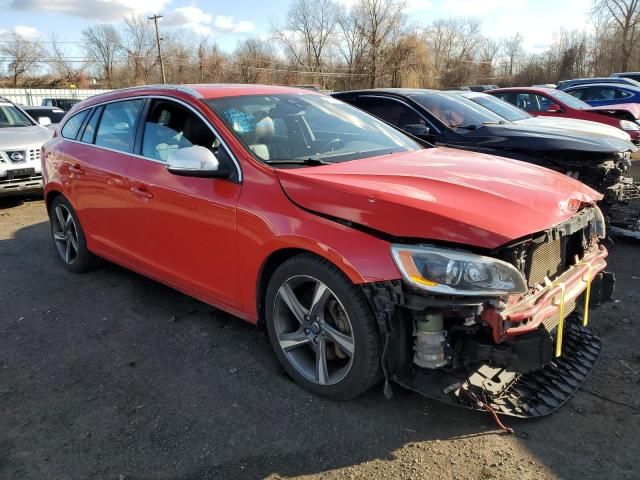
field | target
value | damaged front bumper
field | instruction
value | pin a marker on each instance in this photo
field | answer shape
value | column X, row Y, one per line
column 509, row 358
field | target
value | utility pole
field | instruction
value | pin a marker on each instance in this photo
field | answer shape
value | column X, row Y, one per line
column 155, row 21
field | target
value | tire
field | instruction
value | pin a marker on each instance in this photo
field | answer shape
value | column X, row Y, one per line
column 313, row 312
column 69, row 241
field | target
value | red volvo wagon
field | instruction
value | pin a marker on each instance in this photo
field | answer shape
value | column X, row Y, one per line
column 367, row 254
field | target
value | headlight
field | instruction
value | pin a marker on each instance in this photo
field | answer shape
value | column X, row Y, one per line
column 600, row 225
column 628, row 125
column 452, row 272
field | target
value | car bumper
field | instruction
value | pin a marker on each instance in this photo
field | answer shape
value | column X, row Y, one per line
column 17, row 186
column 544, row 308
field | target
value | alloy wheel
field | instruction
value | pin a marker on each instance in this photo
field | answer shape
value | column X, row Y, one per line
column 313, row 330
column 65, row 234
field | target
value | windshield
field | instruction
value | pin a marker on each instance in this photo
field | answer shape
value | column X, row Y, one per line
column 500, row 107
column 456, row 111
column 569, row 100
column 11, row 116
column 307, row 129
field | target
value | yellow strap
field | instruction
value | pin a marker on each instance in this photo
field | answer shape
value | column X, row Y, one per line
column 585, row 318
column 560, row 323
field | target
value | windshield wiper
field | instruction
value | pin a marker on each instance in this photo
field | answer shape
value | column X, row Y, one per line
column 298, row 161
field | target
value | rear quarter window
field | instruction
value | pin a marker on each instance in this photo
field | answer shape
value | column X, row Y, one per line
column 71, row 127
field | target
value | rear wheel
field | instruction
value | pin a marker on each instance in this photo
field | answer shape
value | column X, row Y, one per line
column 68, row 237
column 321, row 328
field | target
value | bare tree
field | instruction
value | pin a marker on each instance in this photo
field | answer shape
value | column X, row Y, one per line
column 351, row 44
column 102, row 48
column 253, row 58
column 64, row 68
column 25, row 56
column 513, row 51
column 308, row 31
column 455, row 43
column 624, row 17
column 380, row 20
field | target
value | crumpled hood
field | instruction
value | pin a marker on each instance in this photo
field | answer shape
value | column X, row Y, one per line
column 440, row 194
column 15, row 138
column 541, row 139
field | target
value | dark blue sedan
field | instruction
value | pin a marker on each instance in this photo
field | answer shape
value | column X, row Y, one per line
column 602, row 94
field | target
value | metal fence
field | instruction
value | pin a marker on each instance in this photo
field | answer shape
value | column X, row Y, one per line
column 34, row 96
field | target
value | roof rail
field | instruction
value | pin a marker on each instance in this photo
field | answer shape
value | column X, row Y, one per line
column 182, row 88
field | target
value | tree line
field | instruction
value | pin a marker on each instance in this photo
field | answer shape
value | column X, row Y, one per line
column 373, row 43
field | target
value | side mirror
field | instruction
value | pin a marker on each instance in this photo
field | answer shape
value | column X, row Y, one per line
column 554, row 108
column 416, row 129
column 44, row 121
column 195, row 161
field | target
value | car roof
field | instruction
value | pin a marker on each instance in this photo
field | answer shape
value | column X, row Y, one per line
column 524, row 89
column 41, row 107
column 396, row 91
column 196, row 91
column 612, row 85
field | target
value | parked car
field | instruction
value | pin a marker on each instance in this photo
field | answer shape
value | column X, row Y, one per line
column 605, row 94
column 548, row 102
column 54, row 114
column 451, row 120
column 564, row 84
column 516, row 115
column 632, row 75
column 349, row 240
column 63, row 103
column 20, row 141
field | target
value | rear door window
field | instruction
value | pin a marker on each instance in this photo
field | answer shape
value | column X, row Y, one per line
column 117, row 125
column 71, row 128
column 90, row 130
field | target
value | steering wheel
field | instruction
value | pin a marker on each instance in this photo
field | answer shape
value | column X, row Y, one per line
column 332, row 144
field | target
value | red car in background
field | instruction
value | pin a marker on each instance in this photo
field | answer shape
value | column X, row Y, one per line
column 556, row 103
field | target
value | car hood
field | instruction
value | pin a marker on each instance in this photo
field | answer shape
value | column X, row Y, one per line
column 440, row 194
column 21, row 137
column 633, row 108
column 515, row 136
column 580, row 126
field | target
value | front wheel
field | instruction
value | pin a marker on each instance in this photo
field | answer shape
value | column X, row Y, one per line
column 321, row 328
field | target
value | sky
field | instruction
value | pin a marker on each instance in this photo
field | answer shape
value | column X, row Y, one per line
column 228, row 21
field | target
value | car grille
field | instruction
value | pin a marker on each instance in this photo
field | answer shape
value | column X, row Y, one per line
column 21, row 156
column 543, row 260
column 553, row 321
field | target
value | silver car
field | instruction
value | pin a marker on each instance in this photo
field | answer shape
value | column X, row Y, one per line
column 20, row 141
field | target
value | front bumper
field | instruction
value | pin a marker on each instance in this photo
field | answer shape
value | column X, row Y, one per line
column 543, row 308
column 17, row 186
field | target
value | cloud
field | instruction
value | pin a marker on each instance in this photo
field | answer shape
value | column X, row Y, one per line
column 30, row 33
column 190, row 18
column 105, row 10
column 196, row 20
column 229, row 25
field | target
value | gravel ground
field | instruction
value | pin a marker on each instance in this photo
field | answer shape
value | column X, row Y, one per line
column 109, row 375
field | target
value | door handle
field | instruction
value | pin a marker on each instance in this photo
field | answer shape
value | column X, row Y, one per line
column 76, row 169
column 115, row 182
column 142, row 192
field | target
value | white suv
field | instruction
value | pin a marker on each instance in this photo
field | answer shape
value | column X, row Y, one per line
column 20, row 141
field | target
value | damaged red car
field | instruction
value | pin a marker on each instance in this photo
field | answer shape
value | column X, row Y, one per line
column 367, row 256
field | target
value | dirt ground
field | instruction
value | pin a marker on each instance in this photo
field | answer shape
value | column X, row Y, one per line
column 109, row 375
